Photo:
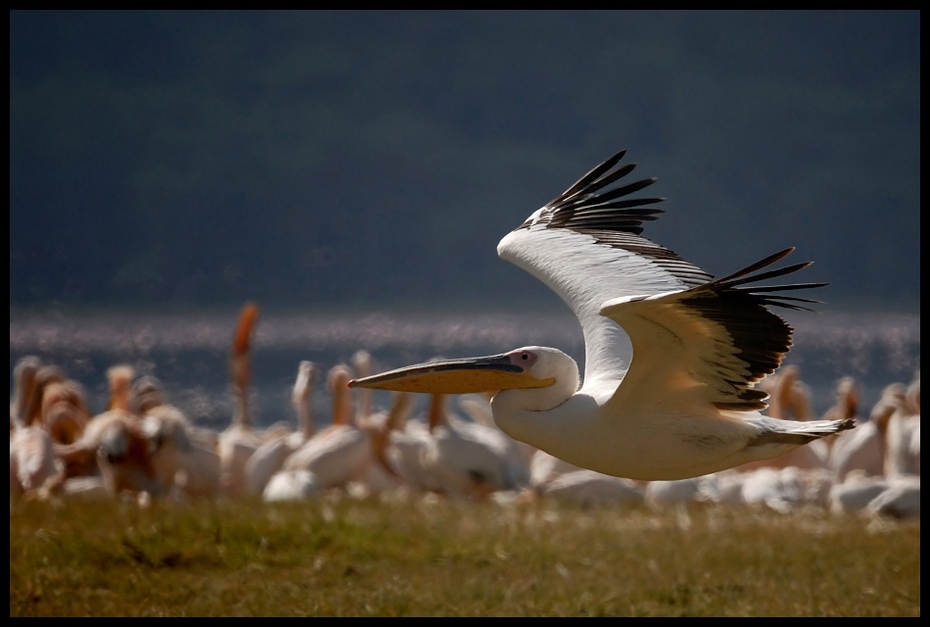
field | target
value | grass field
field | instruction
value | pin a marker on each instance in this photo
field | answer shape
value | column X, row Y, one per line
column 430, row 557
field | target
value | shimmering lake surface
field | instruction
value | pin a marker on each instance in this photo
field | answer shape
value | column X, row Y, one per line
column 189, row 352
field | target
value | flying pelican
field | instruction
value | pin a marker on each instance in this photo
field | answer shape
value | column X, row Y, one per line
column 686, row 406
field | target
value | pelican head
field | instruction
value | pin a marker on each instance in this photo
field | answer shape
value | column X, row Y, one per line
column 523, row 368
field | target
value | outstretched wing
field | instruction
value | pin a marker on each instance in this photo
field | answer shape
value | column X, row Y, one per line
column 708, row 344
column 586, row 246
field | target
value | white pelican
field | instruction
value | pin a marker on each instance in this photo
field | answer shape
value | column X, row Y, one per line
column 686, row 406
column 114, row 442
column 184, row 457
column 587, row 487
column 361, row 361
column 900, row 500
column 902, row 435
column 147, row 393
column 865, row 448
column 678, row 491
column 271, row 455
column 64, row 411
column 32, row 457
column 544, row 468
column 340, row 453
column 24, row 388
column 516, row 455
column 382, row 426
column 239, row 441
column 463, row 459
column 409, row 441
column 856, row 492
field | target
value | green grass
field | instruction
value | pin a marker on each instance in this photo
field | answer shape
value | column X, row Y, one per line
column 427, row 557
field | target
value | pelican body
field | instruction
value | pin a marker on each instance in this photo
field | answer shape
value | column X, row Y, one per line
column 686, row 404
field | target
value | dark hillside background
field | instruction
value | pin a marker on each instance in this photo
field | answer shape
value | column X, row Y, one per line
column 374, row 159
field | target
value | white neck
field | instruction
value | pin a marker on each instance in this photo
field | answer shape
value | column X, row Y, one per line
column 553, row 430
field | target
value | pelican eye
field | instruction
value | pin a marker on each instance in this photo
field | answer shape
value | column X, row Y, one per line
column 521, row 358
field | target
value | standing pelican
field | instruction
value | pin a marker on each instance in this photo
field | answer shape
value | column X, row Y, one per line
column 238, row 442
column 271, row 455
column 339, row 454
column 686, row 406
column 32, row 457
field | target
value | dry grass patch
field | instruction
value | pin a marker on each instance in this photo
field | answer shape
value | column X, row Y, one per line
column 428, row 557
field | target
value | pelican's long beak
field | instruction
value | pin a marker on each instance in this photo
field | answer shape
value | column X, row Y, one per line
column 455, row 376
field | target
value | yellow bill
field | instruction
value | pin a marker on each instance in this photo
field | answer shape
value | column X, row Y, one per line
column 455, row 376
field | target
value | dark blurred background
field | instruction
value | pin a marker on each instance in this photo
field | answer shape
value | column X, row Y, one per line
column 374, row 159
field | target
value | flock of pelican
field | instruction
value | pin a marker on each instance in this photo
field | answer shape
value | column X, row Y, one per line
column 142, row 447
column 680, row 421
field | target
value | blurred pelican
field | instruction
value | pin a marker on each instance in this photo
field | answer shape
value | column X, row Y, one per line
column 676, row 492
column 544, row 468
column 115, row 445
column 32, row 460
column 147, row 393
column 516, row 455
column 361, row 361
column 913, row 394
column 290, row 485
column 184, row 456
column 270, row 456
column 64, row 411
column 51, row 401
column 408, row 442
column 462, row 459
column 864, row 449
column 587, row 487
column 32, row 457
column 382, row 427
column 339, row 454
column 686, row 406
column 846, row 405
column 239, row 441
column 856, row 492
column 902, row 436
column 24, row 384
column 900, row 500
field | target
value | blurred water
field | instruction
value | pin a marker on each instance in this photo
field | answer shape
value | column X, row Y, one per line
column 188, row 352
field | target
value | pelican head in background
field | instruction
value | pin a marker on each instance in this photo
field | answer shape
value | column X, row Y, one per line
column 686, row 405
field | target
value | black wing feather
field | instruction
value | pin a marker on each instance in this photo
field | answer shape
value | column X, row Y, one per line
column 762, row 338
column 614, row 219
